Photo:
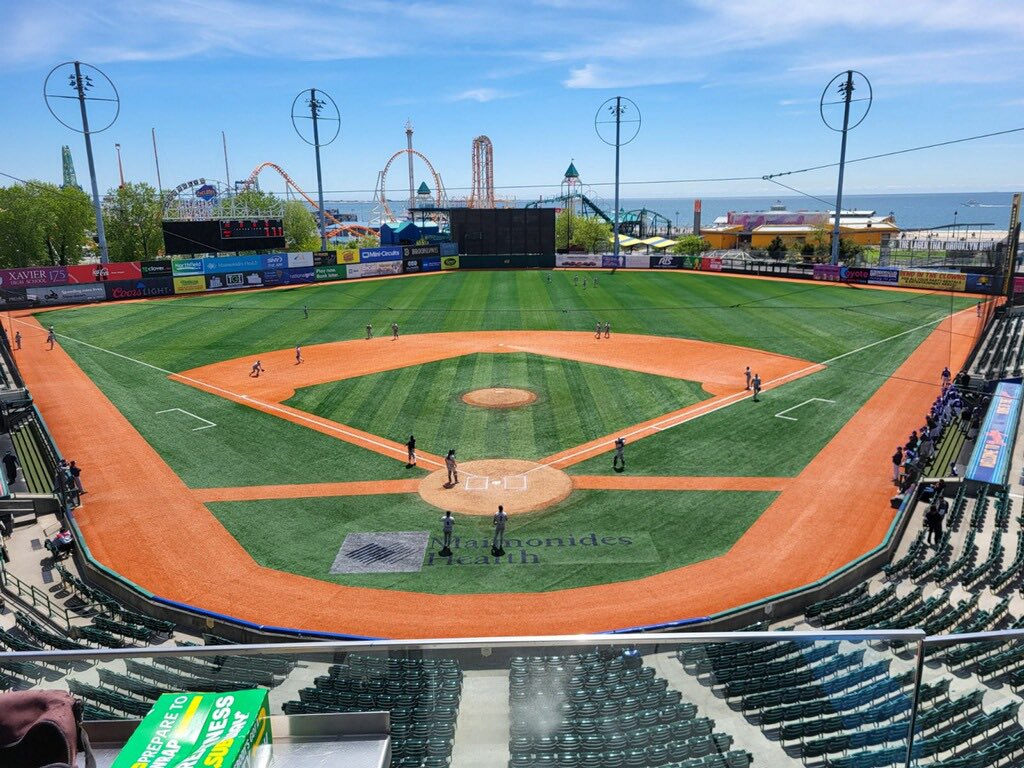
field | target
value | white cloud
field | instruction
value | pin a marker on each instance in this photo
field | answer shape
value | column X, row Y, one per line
column 618, row 76
column 480, row 95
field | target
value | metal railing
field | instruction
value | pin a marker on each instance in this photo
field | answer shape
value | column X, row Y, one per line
column 835, row 665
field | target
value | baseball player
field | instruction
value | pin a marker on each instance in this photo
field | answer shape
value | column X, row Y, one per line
column 394, row 331
column 51, row 337
column 595, row 281
column 305, row 312
column 298, row 355
column 607, row 330
column 257, row 369
column 619, row 459
column 597, row 330
column 747, row 374
column 447, row 526
column 756, row 384
column 498, row 545
column 369, row 331
column 411, row 447
column 17, row 340
column 452, row 467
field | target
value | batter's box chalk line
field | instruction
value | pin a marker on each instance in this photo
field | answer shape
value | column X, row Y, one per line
column 477, row 483
column 515, row 483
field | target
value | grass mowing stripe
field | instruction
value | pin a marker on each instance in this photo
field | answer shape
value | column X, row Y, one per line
column 585, row 540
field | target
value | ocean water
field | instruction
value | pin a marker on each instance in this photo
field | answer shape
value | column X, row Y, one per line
column 984, row 210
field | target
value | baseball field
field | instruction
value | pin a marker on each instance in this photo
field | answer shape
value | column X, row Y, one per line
column 286, row 498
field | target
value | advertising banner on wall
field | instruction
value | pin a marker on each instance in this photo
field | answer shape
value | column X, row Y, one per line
column 666, row 261
column 635, row 260
column 348, row 256
column 430, row 265
column 97, row 273
column 156, row 268
column 1018, row 284
column 224, row 264
column 449, row 249
column 711, row 263
column 139, row 289
column 375, row 269
column 330, row 272
column 856, row 274
column 325, row 258
column 449, row 262
column 990, row 461
column 300, row 259
column 275, row 261
column 410, row 266
column 186, row 267
column 577, row 260
column 27, row 277
column 936, row 281
column 388, row 253
column 884, row 277
column 301, row 275
column 67, row 294
column 191, row 284
column 421, row 251
column 233, row 280
column 981, row 283
column 827, row 272
column 608, row 261
column 13, row 297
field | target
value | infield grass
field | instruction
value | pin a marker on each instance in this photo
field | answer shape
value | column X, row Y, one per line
column 576, row 402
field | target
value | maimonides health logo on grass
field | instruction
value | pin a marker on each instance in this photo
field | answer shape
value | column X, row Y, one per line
column 582, row 548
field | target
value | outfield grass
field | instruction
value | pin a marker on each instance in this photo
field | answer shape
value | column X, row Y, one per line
column 594, row 537
column 576, row 402
column 810, row 321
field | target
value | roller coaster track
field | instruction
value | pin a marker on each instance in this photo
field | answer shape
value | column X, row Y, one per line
column 594, row 207
column 355, row 229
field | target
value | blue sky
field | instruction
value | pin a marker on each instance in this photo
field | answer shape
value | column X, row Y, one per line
column 726, row 87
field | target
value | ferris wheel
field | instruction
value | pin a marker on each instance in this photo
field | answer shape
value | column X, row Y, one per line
column 380, row 196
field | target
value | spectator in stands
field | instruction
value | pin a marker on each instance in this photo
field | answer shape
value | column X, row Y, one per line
column 76, row 477
column 897, row 462
column 61, row 544
column 10, row 467
column 945, row 379
column 933, row 520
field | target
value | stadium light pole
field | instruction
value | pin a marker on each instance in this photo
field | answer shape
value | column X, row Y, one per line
column 317, row 102
column 845, row 89
column 617, row 107
column 81, row 85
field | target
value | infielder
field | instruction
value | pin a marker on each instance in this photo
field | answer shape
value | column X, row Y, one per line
column 747, row 374
column 756, row 384
column 298, row 355
column 257, row 369
column 607, row 330
column 619, row 459
column 394, row 331
column 411, row 447
column 597, row 330
column 369, row 331
column 51, row 337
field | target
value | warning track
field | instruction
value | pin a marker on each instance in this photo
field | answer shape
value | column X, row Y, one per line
column 143, row 522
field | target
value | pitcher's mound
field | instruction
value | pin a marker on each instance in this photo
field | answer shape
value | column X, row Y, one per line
column 499, row 397
column 522, row 486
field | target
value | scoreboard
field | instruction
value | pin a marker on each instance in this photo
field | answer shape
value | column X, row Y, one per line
column 220, row 235
column 248, row 229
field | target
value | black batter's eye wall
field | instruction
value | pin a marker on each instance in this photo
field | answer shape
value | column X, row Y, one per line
column 489, row 232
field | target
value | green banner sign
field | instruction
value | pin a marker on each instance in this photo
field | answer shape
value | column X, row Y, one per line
column 202, row 730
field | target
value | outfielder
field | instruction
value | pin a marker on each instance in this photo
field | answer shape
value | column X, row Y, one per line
column 619, row 459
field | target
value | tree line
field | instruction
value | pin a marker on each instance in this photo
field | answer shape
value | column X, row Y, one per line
column 42, row 224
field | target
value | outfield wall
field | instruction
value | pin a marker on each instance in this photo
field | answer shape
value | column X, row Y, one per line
column 88, row 283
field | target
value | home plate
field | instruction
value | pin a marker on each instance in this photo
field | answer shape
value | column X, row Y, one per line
column 490, row 482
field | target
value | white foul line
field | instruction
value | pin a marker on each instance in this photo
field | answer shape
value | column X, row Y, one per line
column 189, row 413
column 291, row 414
column 805, row 402
column 728, row 400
